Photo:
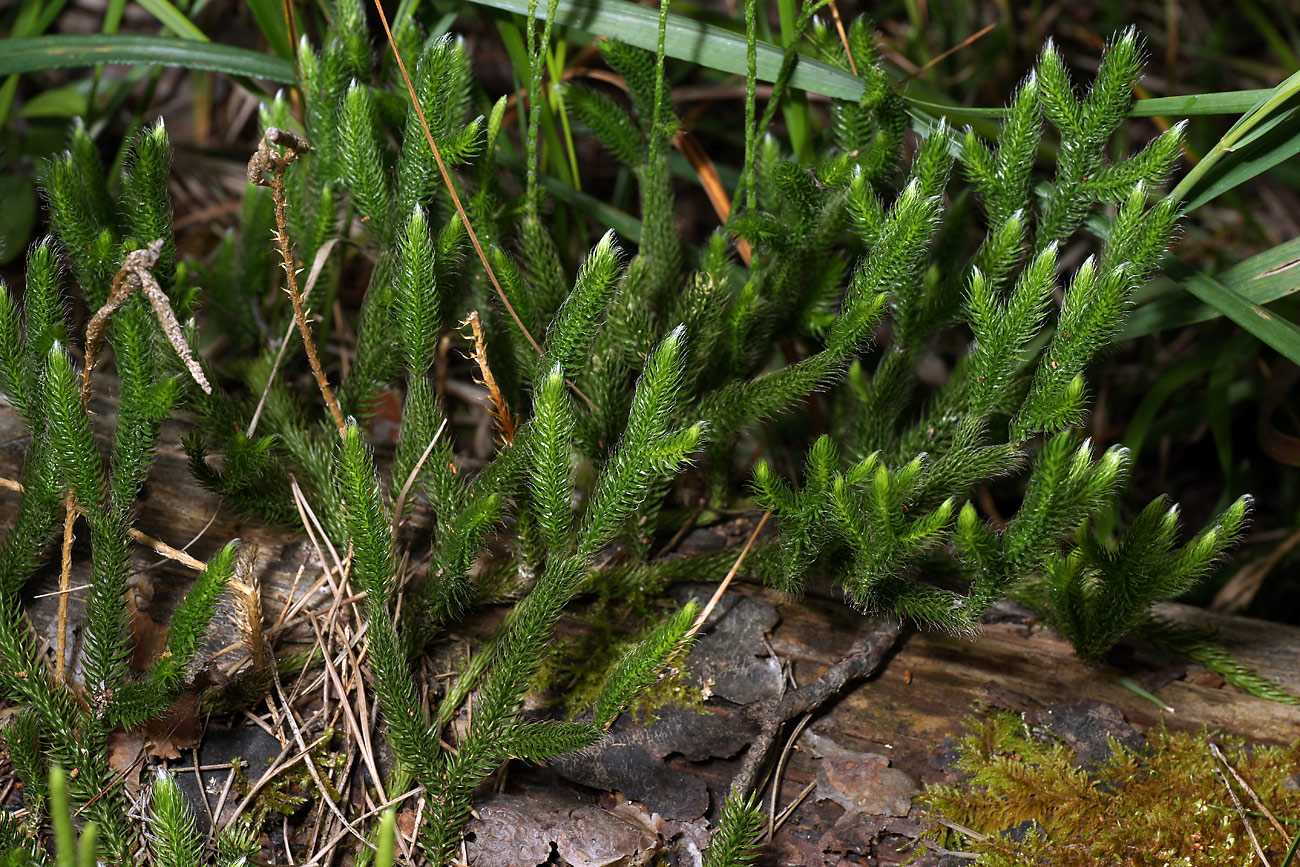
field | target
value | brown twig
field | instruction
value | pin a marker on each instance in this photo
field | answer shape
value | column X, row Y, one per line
column 167, row 551
column 266, row 169
column 316, row 266
column 65, row 575
column 771, row 714
column 136, row 274
column 143, row 538
column 1277, row 826
column 958, row 47
column 501, row 414
column 451, row 188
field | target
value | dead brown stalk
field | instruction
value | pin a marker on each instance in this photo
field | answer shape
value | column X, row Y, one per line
column 136, row 274
column 266, row 169
column 505, row 421
column 65, row 575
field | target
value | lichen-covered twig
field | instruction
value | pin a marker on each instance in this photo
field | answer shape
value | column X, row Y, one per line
column 501, row 414
column 771, row 714
column 266, row 169
column 136, row 275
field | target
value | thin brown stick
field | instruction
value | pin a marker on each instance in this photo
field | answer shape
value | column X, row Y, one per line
column 789, row 808
column 316, row 266
column 65, row 575
column 266, row 169
column 726, row 582
column 143, row 538
column 780, row 768
column 167, row 550
column 958, row 47
column 505, row 420
column 1250, row 832
column 844, row 37
column 1277, row 826
column 451, row 188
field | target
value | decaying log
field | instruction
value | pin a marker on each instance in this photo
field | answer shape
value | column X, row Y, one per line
column 889, row 732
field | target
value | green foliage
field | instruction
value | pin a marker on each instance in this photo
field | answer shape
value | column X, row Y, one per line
column 734, row 843
column 649, row 361
column 650, row 449
column 1164, row 805
column 1097, row 593
column 880, row 520
column 173, row 836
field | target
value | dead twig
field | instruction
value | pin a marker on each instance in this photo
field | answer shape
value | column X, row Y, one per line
column 399, row 505
column 317, row 266
column 136, row 275
column 266, row 169
column 65, row 576
column 771, row 714
column 844, row 37
column 1277, row 826
column 143, row 538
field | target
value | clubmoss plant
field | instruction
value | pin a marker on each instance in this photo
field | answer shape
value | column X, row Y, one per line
column 881, row 502
column 65, row 468
column 828, row 284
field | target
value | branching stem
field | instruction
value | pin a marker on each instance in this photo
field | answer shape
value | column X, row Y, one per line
column 266, row 169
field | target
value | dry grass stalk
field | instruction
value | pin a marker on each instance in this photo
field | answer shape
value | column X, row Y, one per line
column 65, row 575
column 500, row 411
column 726, row 582
column 844, row 37
column 451, row 188
column 266, row 169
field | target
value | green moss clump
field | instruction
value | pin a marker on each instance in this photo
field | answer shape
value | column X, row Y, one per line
column 576, row 670
column 1168, row 806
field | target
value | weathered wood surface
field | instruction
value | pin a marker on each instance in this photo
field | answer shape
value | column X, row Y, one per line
column 905, row 713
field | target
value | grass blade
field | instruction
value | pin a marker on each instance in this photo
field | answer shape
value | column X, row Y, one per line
column 269, row 15
column 1189, row 105
column 1261, row 279
column 173, row 19
column 1264, row 136
column 689, row 40
column 91, row 49
column 1282, row 335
